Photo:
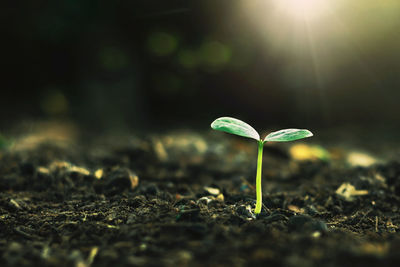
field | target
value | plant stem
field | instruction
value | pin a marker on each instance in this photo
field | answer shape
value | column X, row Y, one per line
column 258, row 177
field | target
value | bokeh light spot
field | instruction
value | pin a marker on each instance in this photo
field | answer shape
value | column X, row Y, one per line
column 188, row 59
column 215, row 54
column 162, row 44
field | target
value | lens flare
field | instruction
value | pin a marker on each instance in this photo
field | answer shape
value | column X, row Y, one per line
column 303, row 9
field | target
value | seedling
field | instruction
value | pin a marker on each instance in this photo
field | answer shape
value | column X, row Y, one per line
column 238, row 127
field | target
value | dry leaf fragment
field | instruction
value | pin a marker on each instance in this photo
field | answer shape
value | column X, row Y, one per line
column 348, row 191
column 361, row 159
column 99, row 173
column 212, row 190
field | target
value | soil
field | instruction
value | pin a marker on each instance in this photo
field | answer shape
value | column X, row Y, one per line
column 186, row 199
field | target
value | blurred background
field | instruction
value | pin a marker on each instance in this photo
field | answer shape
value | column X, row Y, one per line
column 156, row 64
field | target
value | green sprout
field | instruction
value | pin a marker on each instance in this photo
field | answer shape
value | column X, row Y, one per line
column 238, row 127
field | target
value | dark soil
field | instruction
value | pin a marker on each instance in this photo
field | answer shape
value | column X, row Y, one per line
column 183, row 199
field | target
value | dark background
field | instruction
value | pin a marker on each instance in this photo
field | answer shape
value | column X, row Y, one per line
column 156, row 64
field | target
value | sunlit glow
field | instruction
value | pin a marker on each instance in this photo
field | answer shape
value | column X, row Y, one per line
column 316, row 39
column 318, row 42
column 303, row 9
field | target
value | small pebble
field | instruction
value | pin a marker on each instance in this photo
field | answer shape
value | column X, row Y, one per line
column 245, row 212
column 300, row 223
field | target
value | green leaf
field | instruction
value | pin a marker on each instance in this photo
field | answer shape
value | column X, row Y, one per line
column 235, row 126
column 287, row 135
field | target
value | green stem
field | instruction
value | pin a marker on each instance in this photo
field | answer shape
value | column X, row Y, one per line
column 258, row 177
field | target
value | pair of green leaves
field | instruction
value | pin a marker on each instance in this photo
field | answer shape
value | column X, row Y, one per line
column 238, row 127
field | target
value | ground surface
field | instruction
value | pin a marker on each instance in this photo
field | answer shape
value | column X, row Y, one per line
column 184, row 199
